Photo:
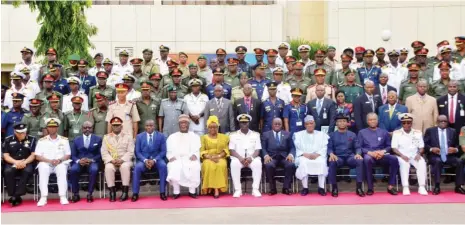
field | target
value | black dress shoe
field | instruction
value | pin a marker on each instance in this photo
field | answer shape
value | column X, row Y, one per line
column 370, row 192
column 75, row 198
column 135, row 197
column 360, row 192
column 163, row 197
column 90, row 198
column 436, row 190
column 18, row 200
column 392, row 191
column 304, row 192
column 176, row 196
column 124, row 195
column 286, row 191
column 112, row 194
column 273, row 192
column 11, row 200
column 459, row 190
column 335, row 193
column 322, row 191
column 192, row 195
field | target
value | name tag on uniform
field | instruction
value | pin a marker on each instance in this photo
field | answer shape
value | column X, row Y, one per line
column 298, row 123
column 462, row 113
column 76, row 131
column 325, row 116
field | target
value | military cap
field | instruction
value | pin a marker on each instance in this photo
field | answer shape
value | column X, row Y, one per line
column 48, row 77
column 100, row 97
column 51, row 51
column 261, row 65
column 176, row 72
column 74, row 57
column 308, row 118
column 55, row 66
column 320, row 52
column 349, row 50
column 393, row 52
column 129, row 77
column 25, row 70
column 77, row 99
column 359, row 50
column 145, row 85
column 52, row 122
column 232, row 61
column 172, row 63
column 220, row 51
column 218, row 71
column 107, row 61
column 4, row 87
column 98, row 54
column 444, row 65
column 102, row 74
column 341, row 116
column 136, row 61
column 121, row 87
column 299, row 65
column 290, row 58
column 318, row 72
column 20, row 127
column 53, row 97
column 163, row 48
column 183, row 118
column 259, row 51
column 201, row 57
column 445, row 49
column 284, row 45
column 244, row 118
column 271, row 52
column 16, row 75
column 304, row 48
column 192, row 65
column 28, row 50
column 296, row 91
column 405, row 117
column 380, row 51
column 241, row 50
column 182, row 53
column 331, row 48
column 403, row 51
column 421, row 51
column 459, row 40
column 35, row 102
column 83, row 63
column 349, row 72
column 116, row 121
column 442, row 43
column 156, row 76
column 278, row 70
column 74, row 80
column 345, row 57
column 172, row 88
column 147, row 50
column 272, row 85
column 417, row 44
column 17, row 96
column 368, row 53
column 413, row 67
column 195, row 82
column 123, row 52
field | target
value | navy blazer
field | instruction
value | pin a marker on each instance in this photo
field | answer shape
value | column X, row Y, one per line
column 362, row 107
column 270, row 147
column 78, row 151
column 155, row 151
column 443, row 109
column 432, row 140
column 329, row 106
column 390, row 124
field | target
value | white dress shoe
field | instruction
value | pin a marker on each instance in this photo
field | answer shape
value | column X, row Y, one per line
column 42, row 201
column 64, row 201
column 237, row 194
column 256, row 193
column 406, row 191
column 422, row 191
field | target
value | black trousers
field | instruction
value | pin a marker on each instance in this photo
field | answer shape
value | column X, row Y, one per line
column 11, row 173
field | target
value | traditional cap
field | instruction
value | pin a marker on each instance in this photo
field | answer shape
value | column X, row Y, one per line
column 183, row 118
column 413, row 67
column 220, row 51
column 156, row 76
column 102, row 74
column 241, row 50
column 107, row 61
column 308, row 118
column 136, row 61
column 123, row 52
column 35, row 102
column 129, row 77
column 444, row 65
column 244, row 118
column 54, row 97
column 74, row 80
column 380, row 51
column 403, row 51
column 25, row 70
column 359, row 50
column 183, row 53
column 116, row 121
column 284, row 45
column 345, row 57
column 77, row 100
column 258, row 51
column 17, row 96
column 304, row 48
column 272, row 85
column 421, row 52
column 20, row 127
column 192, row 65
column 341, row 116
column 172, row 88
column 331, row 48
column 442, row 43
column 176, row 72
column 393, row 52
column 271, row 52
column 233, row 61
column 278, row 70
column 405, row 117
column 147, row 50
column 51, row 51
column 213, row 119
column 417, row 44
column 368, row 53
column 262, row 65
column 163, row 48
column 445, row 49
column 52, row 122
column 218, row 71
column 48, row 77
column 296, row 91
column 121, row 87
column 83, row 63
column 195, row 82
column 290, row 58
column 98, row 54
column 201, row 57
column 318, row 72
column 28, row 50
column 320, row 52
column 145, row 85
column 16, row 75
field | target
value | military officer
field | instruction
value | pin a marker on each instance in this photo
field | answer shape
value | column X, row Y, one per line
column 271, row 56
column 455, row 72
column 283, row 88
column 117, row 153
column 164, row 58
column 339, row 75
column 300, row 81
column 218, row 79
column 368, row 71
column 330, row 60
column 290, row 61
column 53, row 111
column 204, row 70
column 304, row 53
column 98, row 59
column 283, row 49
column 17, row 87
column 319, row 64
column 259, row 57
column 176, row 82
column 87, row 81
column 245, row 66
column 60, row 83
column 101, row 88
column 231, row 76
column 351, row 88
column 237, row 92
column 47, row 92
column 170, row 109
column 72, row 70
column 18, row 157
column 149, row 66
column 294, row 112
column 196, row 102
column 459, row 55
column 75, row 119
column 320, row 79
column 156, row 92
column 426, row 70
column 26, row 55
column 29, row 83
column 67, row 106
column 272, row 107
column 124, row 108
column 32, row 119
column 403, row 57
column 221, row 56
column 51, row 54
column 395, row 71
column 147, row 107
column 129, row 80
column 15, row 115
column 416, row 45
column 137, row 73
column 186, row 78
column 359, row 50
column 439, row 88
column 113, row 78
column 409, row 87
column 99, row 114
column 380, row 55
column 259, row 81
column 167, row 78
column 123, row 67
column 433, row 60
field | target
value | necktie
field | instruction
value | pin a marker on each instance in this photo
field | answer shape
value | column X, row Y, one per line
column 247, row 103
column 371, row 102
column 443, row 146
column 86, row 142
column 318, row 106
column 384, row 95
column 391, row 110
column 451, row 110
column 277, row 138
column 150, row 139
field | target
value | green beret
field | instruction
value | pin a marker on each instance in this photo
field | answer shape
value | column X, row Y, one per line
column 172, row 88
column 74, row 57
column 202, row 57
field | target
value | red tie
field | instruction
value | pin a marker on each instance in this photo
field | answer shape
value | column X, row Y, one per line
column 451, row 110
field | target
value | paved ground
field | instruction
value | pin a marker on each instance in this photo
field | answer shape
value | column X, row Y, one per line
column 430, row 213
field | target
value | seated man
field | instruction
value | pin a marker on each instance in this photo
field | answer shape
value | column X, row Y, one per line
column 150, row 155
column 117, row 152
column 311, row 151
column 85, row 153
column 376, row 147
column 183, row 153
column 278, row 150
column 18, row 155
column 53, row 153
column 441, row 143
column 408, row 145
column 245, row 147
column 344, row 150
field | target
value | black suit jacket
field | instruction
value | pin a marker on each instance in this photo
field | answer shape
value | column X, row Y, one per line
column 240, row 108
column 443, row 109
column 432, row 140
column 362, row 107
column 271, row 148
column 329, row 106
column 378, row 91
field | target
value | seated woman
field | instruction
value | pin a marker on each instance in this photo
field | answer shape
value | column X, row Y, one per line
column 214, row 152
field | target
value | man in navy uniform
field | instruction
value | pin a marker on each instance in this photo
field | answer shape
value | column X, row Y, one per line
column 15, row 115
column 368, row 71
column 86, row 155
column 259, row 81
column 244, row 65
column 271, row 108
column 278, row 150
column 344, row 150
column 150, row 155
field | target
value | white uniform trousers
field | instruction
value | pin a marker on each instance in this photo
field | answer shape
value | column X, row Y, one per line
column 45, row 170
column 404, row 170
column 255, row 166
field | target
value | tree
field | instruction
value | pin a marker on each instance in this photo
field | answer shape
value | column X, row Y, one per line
column 63, row 27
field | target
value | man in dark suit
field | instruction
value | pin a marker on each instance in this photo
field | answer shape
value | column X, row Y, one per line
column 322, row 109
column 278, row 150
column 365, row 104
column 85, row 153
column 388, row 113
column 441, row 143
column 250, row 106
column 383, row 88
column 150, row 154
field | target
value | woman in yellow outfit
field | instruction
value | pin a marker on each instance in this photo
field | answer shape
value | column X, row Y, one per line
column 214, row 152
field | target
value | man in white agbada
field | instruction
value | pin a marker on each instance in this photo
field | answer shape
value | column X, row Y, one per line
column 182, row 151
column 311, row 152
column 53, row 153
column 245, row 147
column 408, row 145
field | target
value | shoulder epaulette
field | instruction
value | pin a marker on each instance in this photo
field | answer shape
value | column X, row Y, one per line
column 43, row 138
column 235, row 88
column 111, row 102
column 108, row 86
column 397, row 131
column 358, row 85
column 65, row 138
column 131, row 102
column 68, row 113
column 164, row 100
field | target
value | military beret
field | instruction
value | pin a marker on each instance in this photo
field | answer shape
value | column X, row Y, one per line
column 272, row 85
column 284, row 45
column 83, row 63
column 220, row 51
column 51, row 51
column 123, row 52
column 121, row 87
column 172, row 88
column 296, row 91
column 16, row 75
column 350, row 71
column 116, row 121
column 77, row 99
column 17, row 96
column 341, row 116
column 52, row 122
column 359, row 50
column 147, row 50
column 156, row 76
column 195, row 82
column 241, row 49
column 53, row 97
column 349, row 50
column 98, row 54
column 331, row 48
column 107, row 61
column 20, row 127
column 102, row 74
column 136, row 61
column 244, row 118
column 176, row 72
column 444, row 65
column 258, row 51
column 192, row 65
column 35, row 102
column 271, row 52
column 201, row 57
column 27, row 50
column 163, row 48
column 74, row 57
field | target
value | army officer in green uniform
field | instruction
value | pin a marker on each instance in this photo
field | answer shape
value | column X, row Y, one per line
column 147, row 106
column 76, row 118
column 351, row 88
column 409, row 87
column 32, row 119
column 99, row 114
column 101, row 88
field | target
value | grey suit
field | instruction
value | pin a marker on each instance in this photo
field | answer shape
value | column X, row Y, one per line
column 224, row 112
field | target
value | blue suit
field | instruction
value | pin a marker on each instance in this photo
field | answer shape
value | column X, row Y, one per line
column 79, row 151
column 145, row 151
column 393, row 123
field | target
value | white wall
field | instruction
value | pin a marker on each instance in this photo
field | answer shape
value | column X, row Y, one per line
column 192, row 29
column 354, row 23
